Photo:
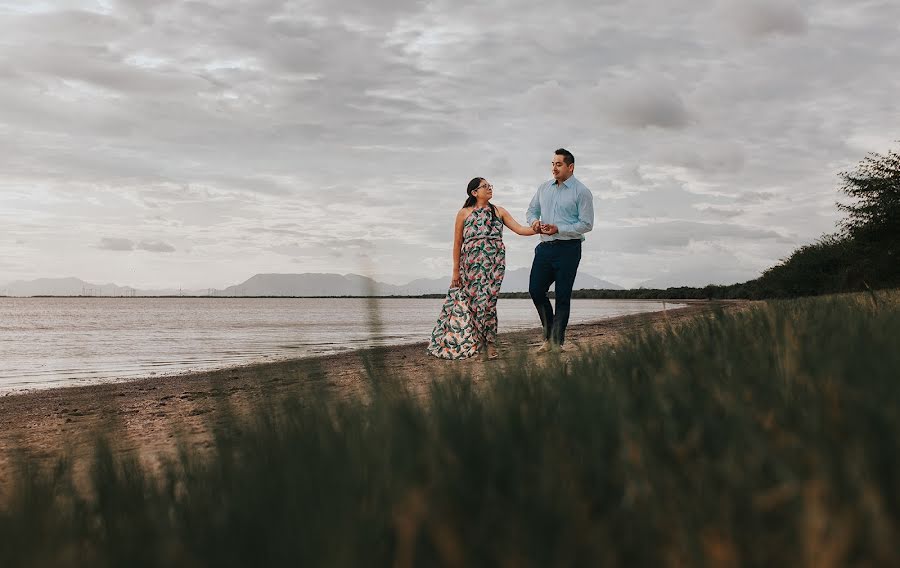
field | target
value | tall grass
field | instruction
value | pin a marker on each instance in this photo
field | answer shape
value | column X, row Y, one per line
column 768, row 437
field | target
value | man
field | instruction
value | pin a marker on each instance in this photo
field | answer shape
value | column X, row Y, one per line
column 562, row 210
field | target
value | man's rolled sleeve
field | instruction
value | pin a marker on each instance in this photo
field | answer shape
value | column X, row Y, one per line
column 534, row 208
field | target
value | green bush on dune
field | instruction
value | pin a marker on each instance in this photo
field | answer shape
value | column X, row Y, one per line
column 769, row 436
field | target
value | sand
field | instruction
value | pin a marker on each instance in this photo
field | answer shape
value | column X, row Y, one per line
column 149, row 411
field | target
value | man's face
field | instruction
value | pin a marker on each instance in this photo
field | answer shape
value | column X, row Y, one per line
column 561, row 170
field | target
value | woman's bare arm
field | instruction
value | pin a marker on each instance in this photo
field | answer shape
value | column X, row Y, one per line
column 457, row 245
column 514, row 225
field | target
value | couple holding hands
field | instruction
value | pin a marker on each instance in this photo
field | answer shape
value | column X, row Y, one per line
column 561, row 212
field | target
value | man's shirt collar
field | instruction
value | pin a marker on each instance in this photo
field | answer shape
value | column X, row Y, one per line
column 570, row 183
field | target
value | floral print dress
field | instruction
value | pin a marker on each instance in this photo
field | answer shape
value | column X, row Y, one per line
column 468, row 318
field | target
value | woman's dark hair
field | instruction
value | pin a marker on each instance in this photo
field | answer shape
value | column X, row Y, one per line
column 470, row 199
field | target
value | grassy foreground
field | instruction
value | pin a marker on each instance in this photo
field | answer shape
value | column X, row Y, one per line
column 769, row 437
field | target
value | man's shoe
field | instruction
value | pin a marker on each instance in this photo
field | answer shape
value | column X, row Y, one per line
column 545, row 347
column 568, row 348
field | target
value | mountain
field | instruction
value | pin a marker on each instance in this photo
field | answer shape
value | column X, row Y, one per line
column 309, row 284
column 77, row 287
column 514, row 281
column 517, row 281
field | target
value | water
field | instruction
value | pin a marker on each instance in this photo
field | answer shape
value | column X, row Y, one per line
column 49, row 342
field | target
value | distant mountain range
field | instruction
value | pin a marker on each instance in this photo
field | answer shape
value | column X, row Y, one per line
column 77, row 287
column 283, row 285
column 514, row 281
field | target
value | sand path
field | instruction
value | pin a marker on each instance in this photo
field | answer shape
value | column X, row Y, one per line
column 150, row 410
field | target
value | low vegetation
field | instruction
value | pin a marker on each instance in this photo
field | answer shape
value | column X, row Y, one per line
column 766, row 437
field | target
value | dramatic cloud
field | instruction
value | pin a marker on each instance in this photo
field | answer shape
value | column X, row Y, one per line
column 244, row 137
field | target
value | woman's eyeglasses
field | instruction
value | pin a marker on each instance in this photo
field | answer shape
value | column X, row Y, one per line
column 485, row 186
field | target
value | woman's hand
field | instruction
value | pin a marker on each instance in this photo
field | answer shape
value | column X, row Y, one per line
column 549, row 229
column 454, row 280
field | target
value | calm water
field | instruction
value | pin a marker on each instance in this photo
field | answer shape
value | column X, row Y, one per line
column 48, row 342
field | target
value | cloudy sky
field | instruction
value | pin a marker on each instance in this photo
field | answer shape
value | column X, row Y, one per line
column 196, row 143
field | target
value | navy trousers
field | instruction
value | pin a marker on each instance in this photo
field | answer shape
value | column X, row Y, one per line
column 554, row 261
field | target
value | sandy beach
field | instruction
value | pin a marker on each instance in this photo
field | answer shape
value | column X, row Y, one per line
column 149, row 412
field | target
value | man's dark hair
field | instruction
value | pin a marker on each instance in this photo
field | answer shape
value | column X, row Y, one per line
column 568, row 158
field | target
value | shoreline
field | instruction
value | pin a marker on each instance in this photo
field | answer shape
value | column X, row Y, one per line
column 150, row 410
column 84, row 377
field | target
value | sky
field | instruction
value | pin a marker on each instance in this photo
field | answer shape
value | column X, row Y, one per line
column 193, row 144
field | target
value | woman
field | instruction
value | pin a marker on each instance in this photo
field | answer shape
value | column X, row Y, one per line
column 468, row 320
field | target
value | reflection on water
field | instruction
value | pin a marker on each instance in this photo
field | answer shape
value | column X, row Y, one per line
column 46, row 342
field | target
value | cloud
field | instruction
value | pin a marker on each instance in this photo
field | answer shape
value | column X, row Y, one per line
column 119, row 244
column 721, row 212
column 116, row 244
column 661, row 199
column 155, row 246
column 645, row 104
column 718, row 158
column 679, row 234
column 759, row 18
column 690, row 271
column 755, row 197
column 251, row 129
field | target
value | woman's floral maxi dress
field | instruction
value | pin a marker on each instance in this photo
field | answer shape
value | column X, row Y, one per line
column 468, row 319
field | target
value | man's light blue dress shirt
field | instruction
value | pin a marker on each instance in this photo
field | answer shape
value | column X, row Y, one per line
column 569, row 206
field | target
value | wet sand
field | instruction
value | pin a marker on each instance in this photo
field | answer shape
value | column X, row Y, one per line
column 149, row 411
